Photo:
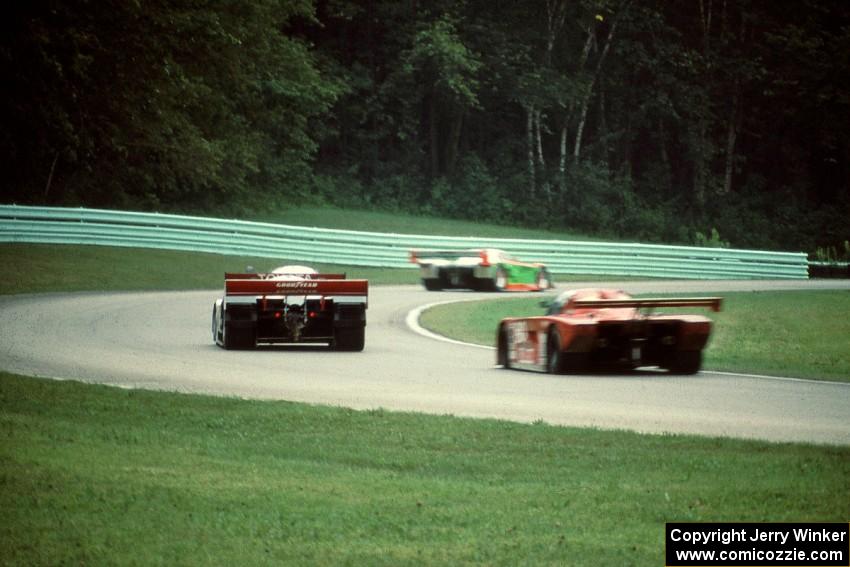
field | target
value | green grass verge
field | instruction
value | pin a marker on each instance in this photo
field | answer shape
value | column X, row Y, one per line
column 100, row 475
column 33, row 268
column 789, row 333
column 38, row 268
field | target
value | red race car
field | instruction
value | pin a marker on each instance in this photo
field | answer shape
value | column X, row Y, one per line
column 589, row 329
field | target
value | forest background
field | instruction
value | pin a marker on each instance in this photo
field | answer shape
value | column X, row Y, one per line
column 720, row 122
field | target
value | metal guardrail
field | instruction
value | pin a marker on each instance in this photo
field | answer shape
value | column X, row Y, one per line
column 54, row 225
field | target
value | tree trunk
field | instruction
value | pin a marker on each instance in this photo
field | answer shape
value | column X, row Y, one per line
column 538, row 142
column 556, row 11
column 628, row 147
column 603, row 129
column 734, row 124
column 453, row 143
column 587, row 96
column 568, row 117
column 50, row 175
column 664, row 157
column 701, row 156
column 529, row 133
column 562, row 166
column 700, row 167
column 434, row 136
column 581, row 121
column 731, row 137
column 705, row 13
column 541, row 161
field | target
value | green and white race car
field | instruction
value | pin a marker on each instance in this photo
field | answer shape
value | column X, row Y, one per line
column 485, row 269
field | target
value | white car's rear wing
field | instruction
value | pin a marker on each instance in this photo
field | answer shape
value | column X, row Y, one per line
column 306, row 276
column 347, row 290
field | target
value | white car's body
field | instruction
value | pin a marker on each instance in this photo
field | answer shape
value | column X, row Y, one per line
column 291, row 304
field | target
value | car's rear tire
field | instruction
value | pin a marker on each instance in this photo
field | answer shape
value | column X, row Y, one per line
column 502, row 356
column 686, row 362
column 554, row 358
column 350, row 339
column 215, row 329
column 432, row 284
column 560, row 362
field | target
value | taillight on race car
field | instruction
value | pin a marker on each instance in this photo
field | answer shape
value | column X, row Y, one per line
column 278, row 314
column 311, row 314
column 485, row 261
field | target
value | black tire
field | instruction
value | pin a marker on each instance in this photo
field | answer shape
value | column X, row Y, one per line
column 502, row 357
column 559, row 362
column 432, row 284
column 350, row 339
column 215, row 336
column 686, row 362
column 554, row 357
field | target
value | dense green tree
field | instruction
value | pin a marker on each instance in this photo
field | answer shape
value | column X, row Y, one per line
column 645, row 119
column 444, row 69
column 169, row 104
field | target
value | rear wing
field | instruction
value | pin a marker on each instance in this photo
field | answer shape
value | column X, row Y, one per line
column 323, row 287
column 417, row 255
column 712, row 303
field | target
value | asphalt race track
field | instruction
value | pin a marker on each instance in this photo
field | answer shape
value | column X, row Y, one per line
column 162, row 341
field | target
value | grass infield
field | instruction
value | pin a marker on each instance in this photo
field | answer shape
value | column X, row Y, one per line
column 101, row 475
column 39, row 268
column 803, row 334
column 34, row 268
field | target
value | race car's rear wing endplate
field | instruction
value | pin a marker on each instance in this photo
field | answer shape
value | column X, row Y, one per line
column 323, row 287
column 712, row 303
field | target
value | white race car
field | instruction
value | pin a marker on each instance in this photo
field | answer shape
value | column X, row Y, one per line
column 291, row 304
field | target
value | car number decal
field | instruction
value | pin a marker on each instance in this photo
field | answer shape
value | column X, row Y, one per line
column 523, row 343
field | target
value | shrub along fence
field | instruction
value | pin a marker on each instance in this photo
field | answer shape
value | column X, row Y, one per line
column 55, row 225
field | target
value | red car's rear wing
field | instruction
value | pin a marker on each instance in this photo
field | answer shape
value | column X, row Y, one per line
column 255, row 276
column 323, row 287
column 712, row 303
